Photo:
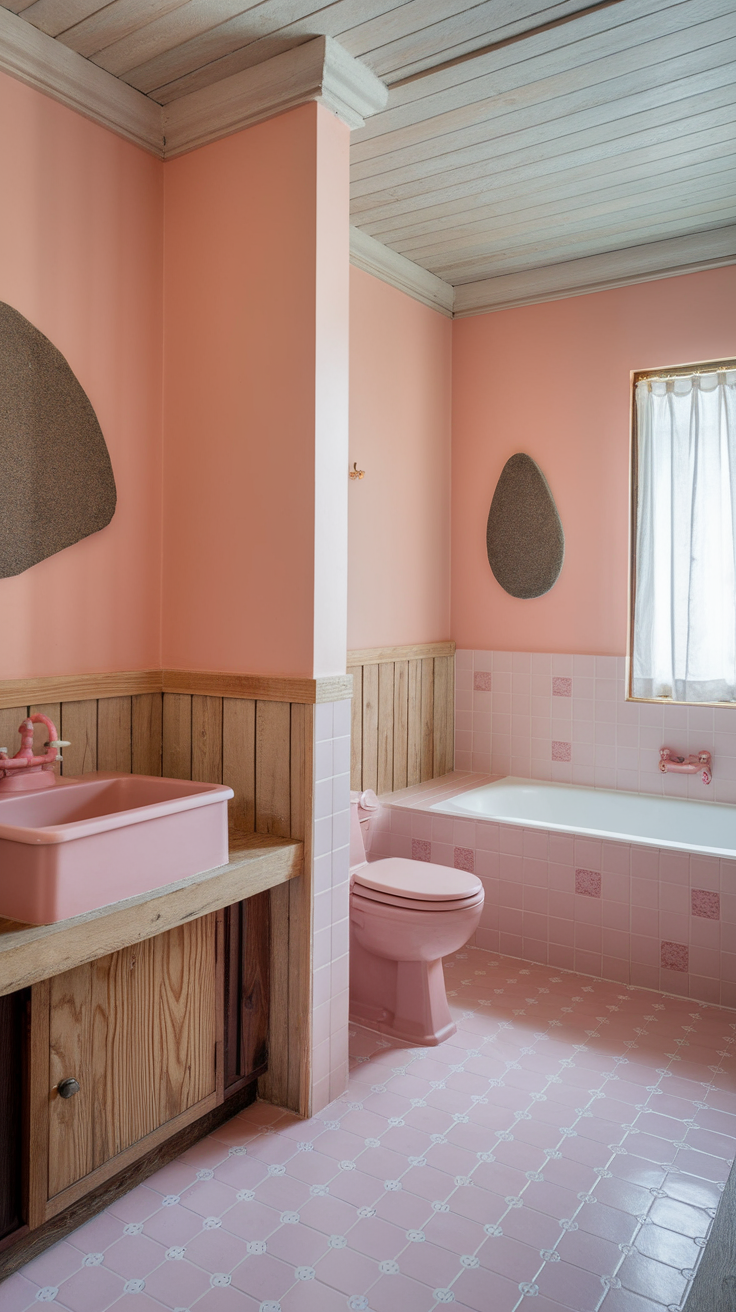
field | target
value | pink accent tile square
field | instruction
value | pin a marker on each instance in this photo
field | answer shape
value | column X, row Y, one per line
column 561, row 687
column 482, row 681
column 421, row 849
column 588, row 883
column 705, row 903
column 561, row 751
column 464, row 859
column 674, row 956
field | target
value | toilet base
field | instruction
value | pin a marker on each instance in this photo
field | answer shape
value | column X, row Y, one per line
column 405, row 1000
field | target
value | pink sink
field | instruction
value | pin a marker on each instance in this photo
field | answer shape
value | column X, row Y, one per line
column 102, row 838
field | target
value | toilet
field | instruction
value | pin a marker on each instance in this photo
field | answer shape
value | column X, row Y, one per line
column 405, row 916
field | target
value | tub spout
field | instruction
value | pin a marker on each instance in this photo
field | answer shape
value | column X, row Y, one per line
column 670, row 763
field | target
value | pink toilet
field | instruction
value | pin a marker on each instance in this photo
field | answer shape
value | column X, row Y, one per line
column 405, row 916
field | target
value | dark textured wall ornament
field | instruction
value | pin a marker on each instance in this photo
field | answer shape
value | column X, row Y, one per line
column 56, row 479
column 524, row 537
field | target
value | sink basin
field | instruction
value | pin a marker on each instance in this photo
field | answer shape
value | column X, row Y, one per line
column 102, row 838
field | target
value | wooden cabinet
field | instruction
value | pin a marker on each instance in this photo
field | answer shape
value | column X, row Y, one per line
column 137, row 1031
column 13, row 1014
column 154, row 1036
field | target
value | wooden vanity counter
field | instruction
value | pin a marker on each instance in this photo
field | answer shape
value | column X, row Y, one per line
column 129, row 1032
column 30, row 953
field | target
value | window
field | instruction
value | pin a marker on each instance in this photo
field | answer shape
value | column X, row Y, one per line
column 683, row 641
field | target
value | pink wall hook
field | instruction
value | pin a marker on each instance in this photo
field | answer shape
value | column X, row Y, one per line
column 26, row 770
column 669, row 763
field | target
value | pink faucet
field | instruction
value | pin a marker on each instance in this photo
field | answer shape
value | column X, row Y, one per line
column 669, row 763
column 24, row 771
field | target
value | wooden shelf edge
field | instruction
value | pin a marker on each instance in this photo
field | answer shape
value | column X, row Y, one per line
column 413, row 652
column 203, row 683
column 29, row 954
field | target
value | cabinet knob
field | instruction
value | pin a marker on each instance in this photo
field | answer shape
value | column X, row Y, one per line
column 67, row 1088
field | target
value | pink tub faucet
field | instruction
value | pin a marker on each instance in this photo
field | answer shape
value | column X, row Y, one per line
column 25, row 771
column 669, row 763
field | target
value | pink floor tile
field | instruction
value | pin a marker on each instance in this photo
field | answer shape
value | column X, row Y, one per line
column 567, row 1117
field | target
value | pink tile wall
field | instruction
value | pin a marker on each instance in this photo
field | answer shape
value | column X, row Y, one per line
column 640, row 915
column 565, row 718
column 331, row 902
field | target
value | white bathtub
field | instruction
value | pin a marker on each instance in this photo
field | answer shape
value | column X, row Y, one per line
column 707, row 827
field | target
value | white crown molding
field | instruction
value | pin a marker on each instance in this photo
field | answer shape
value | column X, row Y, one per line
column 43, row 63
column 373, row 257
column 317, row 70
column 596, row 273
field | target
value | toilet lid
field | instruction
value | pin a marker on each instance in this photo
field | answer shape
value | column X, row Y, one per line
column 422, row 881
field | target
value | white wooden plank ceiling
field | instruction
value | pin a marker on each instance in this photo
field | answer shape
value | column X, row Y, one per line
column 565, row 140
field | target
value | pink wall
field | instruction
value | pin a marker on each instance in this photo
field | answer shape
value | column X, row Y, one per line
column 399, row 514
column 249, row 352
column 81, row 258
column 553, row 380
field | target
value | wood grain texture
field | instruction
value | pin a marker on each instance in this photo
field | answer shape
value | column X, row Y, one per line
column 79, row 726
column 207, row 739
column 403, row 725
column 36, row 1138
column 239, row 760
column 262, row 688
column 370, row 727
column 10, row 718
column 147, row 733
column 29, row 954
column 114, row 734
column 385, row 761
column 273, row 780
column 356, row 729
column 137, row 1030
column 414, row 651
column 79, row 687
column 177, row 736
column 93, row 1201
column 426, row 767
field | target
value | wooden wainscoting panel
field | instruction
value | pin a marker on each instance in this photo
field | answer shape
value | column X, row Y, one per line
column 10, row 718
column 147, row 732
column 401, row 724
column 79, row 726
column 356, row 728
column 414, row 713
column 273, row 779
column 403, row 716
column 207, row 739
column 239, row 760
column 114, row 733
column 427, row 731
column 370, row 727
column 177, row 735
column 385, row 769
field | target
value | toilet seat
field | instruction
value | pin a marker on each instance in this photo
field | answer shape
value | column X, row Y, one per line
column 417, row 885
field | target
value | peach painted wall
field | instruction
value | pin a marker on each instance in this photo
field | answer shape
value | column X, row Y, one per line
column 553, row 380
column 81, row 258
column 399, row 514
column 249, row 353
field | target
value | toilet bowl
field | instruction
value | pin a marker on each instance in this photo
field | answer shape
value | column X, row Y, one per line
column 405, row 916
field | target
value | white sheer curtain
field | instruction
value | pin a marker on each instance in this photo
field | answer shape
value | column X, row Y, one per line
column 684, row 643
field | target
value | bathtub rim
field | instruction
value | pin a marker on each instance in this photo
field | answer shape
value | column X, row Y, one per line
column 448, row 806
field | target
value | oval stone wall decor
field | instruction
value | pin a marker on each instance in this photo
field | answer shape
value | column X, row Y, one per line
column 524, row 537
column 56, row 479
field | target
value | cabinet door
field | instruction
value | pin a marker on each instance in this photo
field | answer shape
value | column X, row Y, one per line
column 247, row 959
column 137, row 1031
column 12, row 1028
